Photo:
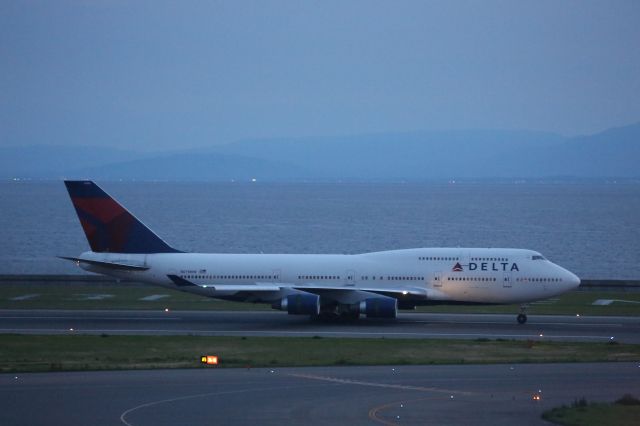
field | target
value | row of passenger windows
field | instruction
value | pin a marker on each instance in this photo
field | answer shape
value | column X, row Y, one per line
column 404, row 278
column 229, row 277
column 392, row 278
column 470, row 279
column 300, row 277
column 473, row 259
column 545, row 280
column 489, row 259
column 364, row 278
column 438, row 258
column 539, row 280
column 318, row 277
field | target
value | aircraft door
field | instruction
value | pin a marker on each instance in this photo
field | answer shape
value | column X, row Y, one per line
column 350, row 277
column 436, row 279
column 506, row 281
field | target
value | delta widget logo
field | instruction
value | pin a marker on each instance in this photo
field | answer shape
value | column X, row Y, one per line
column 488, row 266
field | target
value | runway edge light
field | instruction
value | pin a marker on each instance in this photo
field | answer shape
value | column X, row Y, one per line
column 209, row 359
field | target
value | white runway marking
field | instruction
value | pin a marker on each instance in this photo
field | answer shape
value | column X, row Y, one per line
column 94, row 296
column 378, row 385
column 535, row 335
column 607, row 302
column 24, row 297
column 546, row 302
column 200, row 395
column 153, row 297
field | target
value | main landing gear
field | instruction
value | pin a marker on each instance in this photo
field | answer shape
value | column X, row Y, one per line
column 522, row 316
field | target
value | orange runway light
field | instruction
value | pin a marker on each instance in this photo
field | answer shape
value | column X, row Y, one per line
column 209, row 359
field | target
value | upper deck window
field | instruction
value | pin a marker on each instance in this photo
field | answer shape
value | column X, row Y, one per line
column 537, row 257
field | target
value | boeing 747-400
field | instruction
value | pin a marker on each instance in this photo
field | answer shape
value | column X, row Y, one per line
column 320, row 285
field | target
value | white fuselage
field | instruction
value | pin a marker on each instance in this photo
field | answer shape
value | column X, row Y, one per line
column 424, row 275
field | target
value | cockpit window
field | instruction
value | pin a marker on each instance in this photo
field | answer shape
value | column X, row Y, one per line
column 537, row 257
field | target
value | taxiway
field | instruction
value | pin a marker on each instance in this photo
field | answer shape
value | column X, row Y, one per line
column 401, row 395
column 260, row 323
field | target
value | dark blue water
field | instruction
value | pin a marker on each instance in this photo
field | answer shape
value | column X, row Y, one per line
column 593, row 230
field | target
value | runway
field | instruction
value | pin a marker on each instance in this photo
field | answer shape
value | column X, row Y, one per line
column 474, row 394
column 260, row 323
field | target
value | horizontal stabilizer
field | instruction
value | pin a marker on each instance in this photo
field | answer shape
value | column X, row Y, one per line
column 110, row 265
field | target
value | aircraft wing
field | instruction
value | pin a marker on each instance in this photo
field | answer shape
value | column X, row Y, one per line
column 389, row 291
column 340, row 294
column 350, row 295
column 316, row 289
column 259, row 287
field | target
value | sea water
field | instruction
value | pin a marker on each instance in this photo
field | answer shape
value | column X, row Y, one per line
column 591, row 229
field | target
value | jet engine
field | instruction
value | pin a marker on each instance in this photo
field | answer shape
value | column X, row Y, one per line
column 379, row 307
column 299, row 304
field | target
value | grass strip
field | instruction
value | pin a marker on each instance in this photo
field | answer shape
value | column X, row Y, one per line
column 83, row 296
column 110, row 352
column 123, row 296
column 571, row 303
column 624, row 412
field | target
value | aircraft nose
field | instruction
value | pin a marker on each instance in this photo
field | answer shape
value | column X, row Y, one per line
column 572, row 281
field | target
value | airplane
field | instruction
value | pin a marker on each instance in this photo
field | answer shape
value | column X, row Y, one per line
column 323, row 286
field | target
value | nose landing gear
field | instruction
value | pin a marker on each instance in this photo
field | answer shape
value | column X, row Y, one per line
column 522, row 316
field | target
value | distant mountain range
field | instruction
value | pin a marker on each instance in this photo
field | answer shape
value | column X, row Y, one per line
column 415, row 156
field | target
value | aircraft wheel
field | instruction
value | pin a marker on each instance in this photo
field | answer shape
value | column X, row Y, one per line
column 522, row 318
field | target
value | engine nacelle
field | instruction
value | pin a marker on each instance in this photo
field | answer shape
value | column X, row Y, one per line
column 299, row 304
column 379, row 307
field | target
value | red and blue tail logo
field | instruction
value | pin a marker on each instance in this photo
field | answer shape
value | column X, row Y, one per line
column 109, row 227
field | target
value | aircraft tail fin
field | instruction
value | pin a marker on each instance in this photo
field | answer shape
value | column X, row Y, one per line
column 108, row 226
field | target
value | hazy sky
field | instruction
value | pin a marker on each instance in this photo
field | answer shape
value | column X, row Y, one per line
column 162, row 75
